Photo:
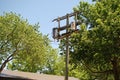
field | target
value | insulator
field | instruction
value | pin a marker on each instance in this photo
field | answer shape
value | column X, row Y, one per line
column 73, row 26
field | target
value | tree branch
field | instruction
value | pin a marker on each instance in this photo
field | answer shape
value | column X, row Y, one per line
column 9, row 58
column 7, row 39
column 106, row 71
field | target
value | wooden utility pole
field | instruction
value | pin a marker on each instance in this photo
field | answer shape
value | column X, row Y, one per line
column 67, row 49
column 57, row 35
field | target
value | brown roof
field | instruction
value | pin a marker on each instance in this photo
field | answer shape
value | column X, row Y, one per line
column 35, row 76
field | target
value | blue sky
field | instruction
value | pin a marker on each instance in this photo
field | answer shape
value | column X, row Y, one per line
column 42, row 11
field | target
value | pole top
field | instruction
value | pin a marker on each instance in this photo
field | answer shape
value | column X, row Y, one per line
column 64, row 17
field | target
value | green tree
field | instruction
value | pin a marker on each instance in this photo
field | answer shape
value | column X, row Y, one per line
column 22, row 43
column 55, row 63
column 97, row 45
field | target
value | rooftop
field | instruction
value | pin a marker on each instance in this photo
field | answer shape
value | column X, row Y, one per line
column 18, row 75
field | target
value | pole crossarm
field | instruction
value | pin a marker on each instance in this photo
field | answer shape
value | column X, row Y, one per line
column 66, row 34
column 64, row 17
column 64, row 27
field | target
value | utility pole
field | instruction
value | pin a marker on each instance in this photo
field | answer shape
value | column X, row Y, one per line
column 67, row 27
column 67, row 49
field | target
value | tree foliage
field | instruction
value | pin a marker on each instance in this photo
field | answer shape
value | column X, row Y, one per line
column 22, row 43
column 55, row 63
column 97, row 45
